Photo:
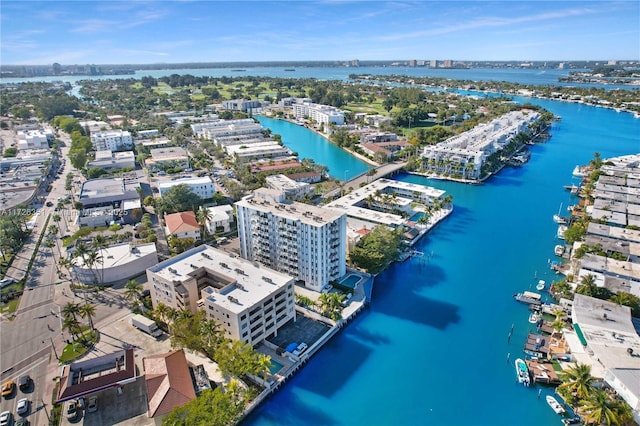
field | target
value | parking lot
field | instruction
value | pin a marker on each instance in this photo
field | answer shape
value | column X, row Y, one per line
column 303, row 329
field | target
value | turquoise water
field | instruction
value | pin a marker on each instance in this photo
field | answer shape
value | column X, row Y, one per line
column 416, row 217
column 311, row 145
column 350, row 281
column 432, row 348
column 275, row 366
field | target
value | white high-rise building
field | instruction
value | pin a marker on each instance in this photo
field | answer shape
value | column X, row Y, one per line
column 304, row 241
column 111, row 140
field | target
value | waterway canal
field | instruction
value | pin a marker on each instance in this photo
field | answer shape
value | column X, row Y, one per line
column 432, row 349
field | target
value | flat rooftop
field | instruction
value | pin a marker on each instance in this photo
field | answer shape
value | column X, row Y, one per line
column 243, row 283
column 305, row 213
column 120, row 254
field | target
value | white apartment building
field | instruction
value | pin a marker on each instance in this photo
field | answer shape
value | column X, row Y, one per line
column 290, row 187
column 113, row 160
column 202, row 186
column 35, row 139
column 111, row 140
column 250, row 301
column 202, row 129
column 301, row 240
column 464, row 154
column 169, row 157
column 322, row 114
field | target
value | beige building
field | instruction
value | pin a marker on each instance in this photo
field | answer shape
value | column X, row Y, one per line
column 249, row 301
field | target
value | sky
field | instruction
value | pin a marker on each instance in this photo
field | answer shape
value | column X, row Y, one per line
column 177, row 31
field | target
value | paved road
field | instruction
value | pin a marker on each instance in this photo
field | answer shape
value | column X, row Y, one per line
column 355, row 183
column 35, row 328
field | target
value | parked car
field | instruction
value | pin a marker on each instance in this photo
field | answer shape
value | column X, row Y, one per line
column 22, row 422
column 92, row 407
column 6, row 418
column 8, row 387
column 300, row 349
column 72, row 410
column 49, row 204
column 23, row 406
column 24, row 383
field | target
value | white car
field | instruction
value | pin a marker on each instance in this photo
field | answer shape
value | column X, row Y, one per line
column 6, row 418
column 300, row 349
column 23, row 406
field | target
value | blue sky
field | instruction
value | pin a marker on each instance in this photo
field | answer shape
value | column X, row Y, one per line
column 137, row 32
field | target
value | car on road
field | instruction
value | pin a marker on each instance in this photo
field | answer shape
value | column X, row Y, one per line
column 300, row 349
column 49, row 204
column 8, row 387
column 92, row 406
column 72, row 410
column 24, row 383
column 6, row 418
column 23, row 407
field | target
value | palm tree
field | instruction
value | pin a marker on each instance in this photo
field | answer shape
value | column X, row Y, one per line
column 70, row 311
column 88, row 311
column 577, row 381
column 132, row 292
column 72, row 325
column 262, row 366
column 211, row 332
column 203, row 217
column 601, row 409
column 92, row 259
column 331, row 305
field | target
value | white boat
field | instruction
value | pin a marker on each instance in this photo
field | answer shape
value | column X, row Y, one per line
column 522, row 372
column 528, row 297
column 559, row 250
column 534, row 317
column 554, row 404
column 579, row 172
column 561, row 230
column 540, row 285
column 559, row 219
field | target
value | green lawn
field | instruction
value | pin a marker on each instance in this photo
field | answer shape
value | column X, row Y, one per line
column 76, row 348
column 10, row 307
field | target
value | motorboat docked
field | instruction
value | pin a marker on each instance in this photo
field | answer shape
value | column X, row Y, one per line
column 559, row 250
column 534, row 317
column 559, row 219
column 528, row 297
column 579, row 171
column 561, row 230
column 522, row 372
column 540, row 285
column 574, row 189
column 554, row 404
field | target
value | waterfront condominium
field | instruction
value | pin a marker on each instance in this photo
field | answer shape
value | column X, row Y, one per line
column 304, row 241
column 248, row 300
column 463, row 155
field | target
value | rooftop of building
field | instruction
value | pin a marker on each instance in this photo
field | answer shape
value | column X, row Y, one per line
column 192, row 180
column 272, row 201
column 608, row 330
column 240, row 282
column 108, row 187
column 85, row 377
column 168, row 381
column 353, row 202
column 181, row 222
column 167, row 153
column 120, row 254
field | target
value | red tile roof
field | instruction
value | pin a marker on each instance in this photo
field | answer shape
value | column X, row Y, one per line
column 181, row 222
column 168, row 382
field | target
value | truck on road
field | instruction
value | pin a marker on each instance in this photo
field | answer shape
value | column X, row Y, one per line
column 145, row 324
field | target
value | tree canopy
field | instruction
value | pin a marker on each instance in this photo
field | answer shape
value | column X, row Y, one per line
column 377, row 249
column 179, row 198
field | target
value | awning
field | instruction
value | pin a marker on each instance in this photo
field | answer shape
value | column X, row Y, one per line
column 580, row 335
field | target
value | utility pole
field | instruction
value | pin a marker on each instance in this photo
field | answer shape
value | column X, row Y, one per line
column 45, row 410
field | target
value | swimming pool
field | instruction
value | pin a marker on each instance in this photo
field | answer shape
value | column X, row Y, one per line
column 275, row 366
column 350, row 280
column 416, row 217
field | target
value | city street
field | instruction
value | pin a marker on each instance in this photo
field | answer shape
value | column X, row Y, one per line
column 32, row 337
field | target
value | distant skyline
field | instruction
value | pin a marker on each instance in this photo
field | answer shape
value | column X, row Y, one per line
column 143, row 32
